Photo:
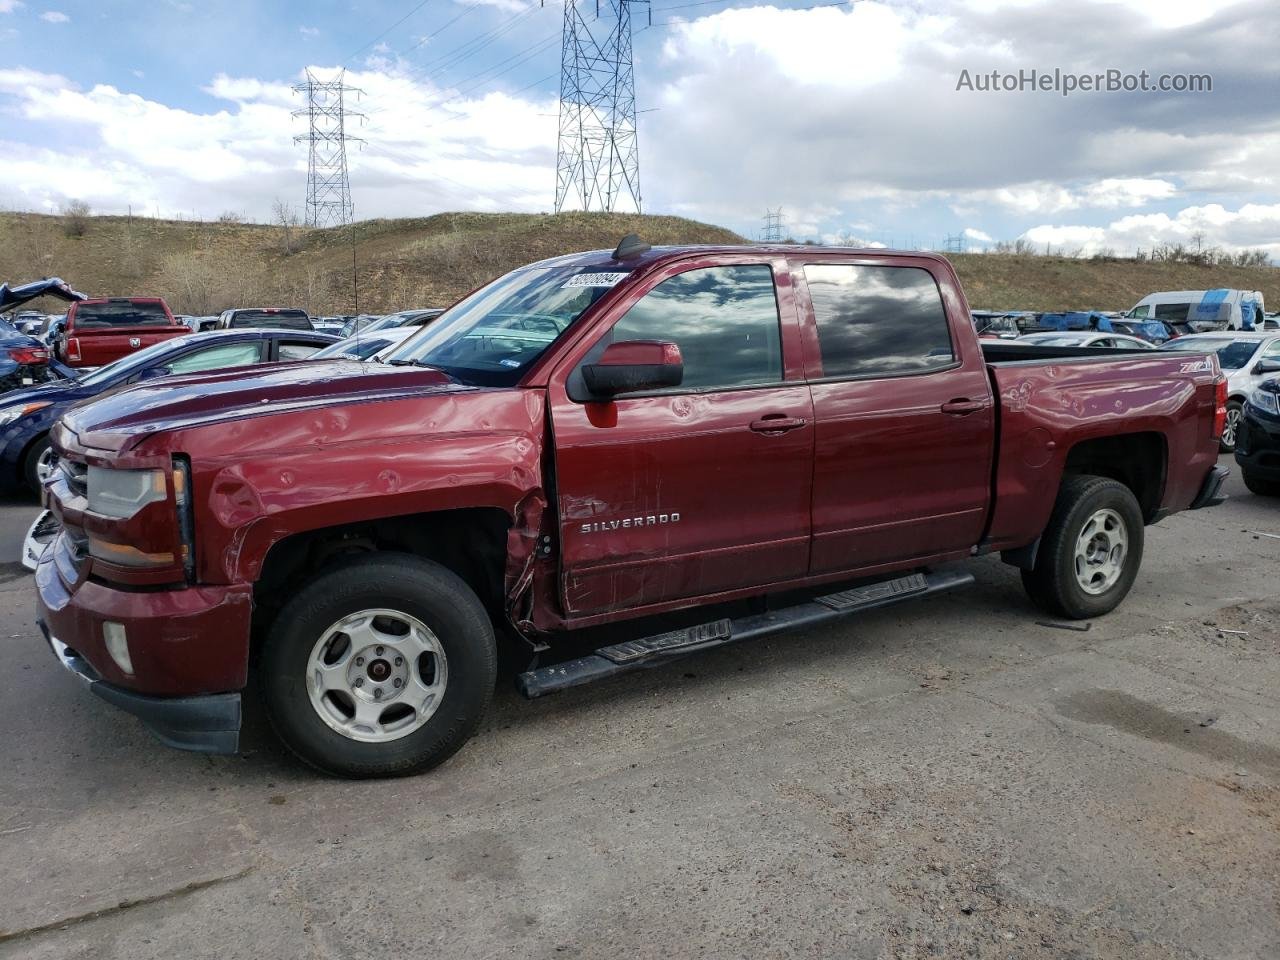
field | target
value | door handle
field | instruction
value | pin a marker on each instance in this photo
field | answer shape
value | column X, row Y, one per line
column 961, row 408
column 777, row 423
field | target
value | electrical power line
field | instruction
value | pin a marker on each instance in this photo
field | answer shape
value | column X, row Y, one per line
column 386, row 31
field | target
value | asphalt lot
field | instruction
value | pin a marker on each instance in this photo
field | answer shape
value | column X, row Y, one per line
column 947, row 778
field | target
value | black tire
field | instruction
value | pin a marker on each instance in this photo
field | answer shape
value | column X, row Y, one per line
column 419, row 588
column 31, row 461
column 1053, row 584
column 1236, row 408
column 1263, row 488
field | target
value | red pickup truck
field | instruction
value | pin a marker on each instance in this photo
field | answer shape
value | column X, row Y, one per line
column 99, row 331
column 599, row 462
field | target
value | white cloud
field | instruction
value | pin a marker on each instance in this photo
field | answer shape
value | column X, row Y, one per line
column 1251, row 227
column 309, row 31
column 977, row 235
column 54, row 16
column 421, row 158
column 8, row 6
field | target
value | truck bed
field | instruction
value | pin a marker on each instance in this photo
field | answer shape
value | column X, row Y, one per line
column 1091, row 406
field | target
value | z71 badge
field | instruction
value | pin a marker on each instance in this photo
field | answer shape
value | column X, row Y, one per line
column 630, row 523
column 1198, row 366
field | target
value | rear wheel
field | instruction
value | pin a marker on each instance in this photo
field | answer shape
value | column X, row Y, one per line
column 1235, row 410
column 1091, row 550
column 39, row 463
column 1263, row 488
column 383, row 666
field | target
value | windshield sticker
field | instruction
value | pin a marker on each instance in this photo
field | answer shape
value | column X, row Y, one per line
column 508, row 362
column 594, row 280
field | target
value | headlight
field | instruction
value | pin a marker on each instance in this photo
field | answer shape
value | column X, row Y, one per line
column 19, row 410
column 1265, row 401
column 122, row 493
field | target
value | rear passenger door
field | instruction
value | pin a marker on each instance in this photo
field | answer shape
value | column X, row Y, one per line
column 904, row 416
column 698, row 489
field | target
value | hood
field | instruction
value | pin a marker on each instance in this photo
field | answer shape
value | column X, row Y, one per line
column 11, row 297
column 51, row 392
column 172, row 403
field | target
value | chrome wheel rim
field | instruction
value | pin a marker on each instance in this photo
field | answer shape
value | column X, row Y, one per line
column 46, row 464
column 1101, row 550
column 377, row 675
column 1231, row 426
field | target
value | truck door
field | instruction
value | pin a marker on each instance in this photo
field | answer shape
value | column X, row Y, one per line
column 904, row 413
column 699, row 489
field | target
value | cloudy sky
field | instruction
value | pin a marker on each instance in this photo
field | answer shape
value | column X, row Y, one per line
column 847, row 116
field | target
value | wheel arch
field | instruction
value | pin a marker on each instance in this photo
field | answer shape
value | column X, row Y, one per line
column 470, row 541
column 1138, row 460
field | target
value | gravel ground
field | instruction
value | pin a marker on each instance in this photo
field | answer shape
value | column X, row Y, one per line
column 949, row 778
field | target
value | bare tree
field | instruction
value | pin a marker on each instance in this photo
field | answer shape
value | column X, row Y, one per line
column 229, row 217
column 287, row 218
column 75, row 218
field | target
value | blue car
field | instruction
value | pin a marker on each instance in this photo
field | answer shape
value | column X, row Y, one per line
column 28, row 414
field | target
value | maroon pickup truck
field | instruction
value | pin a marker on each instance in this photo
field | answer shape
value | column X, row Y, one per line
column 100, row 331
column 597, row 463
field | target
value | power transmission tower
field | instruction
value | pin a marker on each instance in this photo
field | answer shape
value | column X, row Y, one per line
column 957, row 243
column 598, row 156
column 328, row 189
column 773, row 227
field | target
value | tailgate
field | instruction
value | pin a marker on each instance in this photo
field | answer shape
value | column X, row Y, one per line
column 94, row 348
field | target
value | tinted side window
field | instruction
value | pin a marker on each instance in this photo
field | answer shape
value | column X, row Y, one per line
column 878, row 321
column 724, row 319
column 1172, row 311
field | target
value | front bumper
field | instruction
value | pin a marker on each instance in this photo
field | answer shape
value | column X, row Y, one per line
column 205, row 724
column 1258, row 447
column 188, row 649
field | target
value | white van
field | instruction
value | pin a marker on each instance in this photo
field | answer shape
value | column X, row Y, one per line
column 1203, row 310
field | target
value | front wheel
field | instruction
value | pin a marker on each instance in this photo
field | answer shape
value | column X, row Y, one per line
column 39, row 464
column 1231, row 426
column 1091, row 550
column 382, row 666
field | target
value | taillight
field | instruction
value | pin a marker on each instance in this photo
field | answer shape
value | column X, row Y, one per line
column 28, row 354
column 1220, row 406
column 73, row 348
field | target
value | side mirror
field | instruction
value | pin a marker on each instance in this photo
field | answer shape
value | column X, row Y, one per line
column 632, row 366
column 1266, row 366
column 151, row 373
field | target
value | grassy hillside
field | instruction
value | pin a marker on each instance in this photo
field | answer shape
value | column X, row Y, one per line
column 1000, row 282
column 204, row 268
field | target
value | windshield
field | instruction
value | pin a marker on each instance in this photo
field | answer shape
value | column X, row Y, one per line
column 135, row 362
column 493, row 336
column 1232, row 354
column 121, row 313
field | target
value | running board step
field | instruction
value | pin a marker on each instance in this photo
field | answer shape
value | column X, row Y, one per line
column 665, row 647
